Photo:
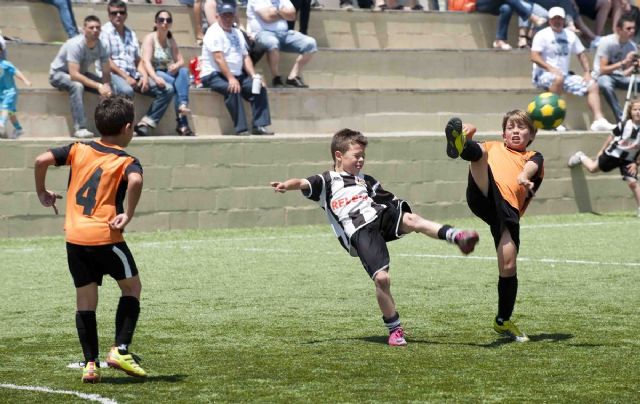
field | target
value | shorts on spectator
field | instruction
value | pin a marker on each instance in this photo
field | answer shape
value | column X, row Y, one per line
column 608, row 163
column 573, row 84
column 287, row 41
column 8, row 100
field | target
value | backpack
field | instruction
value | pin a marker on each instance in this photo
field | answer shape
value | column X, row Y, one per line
column 461, row 5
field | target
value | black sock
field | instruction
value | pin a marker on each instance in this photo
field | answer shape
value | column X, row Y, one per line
column 126, row 319
column 471, row 151
column 442, row 233
column 393, row 322
column 88, row 334
column 507, row 291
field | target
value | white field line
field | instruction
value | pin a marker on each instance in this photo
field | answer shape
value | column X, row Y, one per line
column 90, row 397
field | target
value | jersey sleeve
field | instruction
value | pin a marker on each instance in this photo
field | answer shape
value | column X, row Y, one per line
column 134, row 167
column 61, row 154
column 316, row 188
column 377, row 193
column 537, row 178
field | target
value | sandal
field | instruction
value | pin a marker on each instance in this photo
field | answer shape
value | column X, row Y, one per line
column 185, row 131
column 501, row 45
column 183, row 109
column 523, row 42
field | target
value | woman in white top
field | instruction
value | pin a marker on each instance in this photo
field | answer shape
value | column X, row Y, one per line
column 165, row 65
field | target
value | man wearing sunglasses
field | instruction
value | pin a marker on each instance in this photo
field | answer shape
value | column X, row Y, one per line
column 128, row 74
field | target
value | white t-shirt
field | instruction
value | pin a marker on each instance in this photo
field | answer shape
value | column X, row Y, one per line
column 231, row 44
column 257, row 24
column 555, row 48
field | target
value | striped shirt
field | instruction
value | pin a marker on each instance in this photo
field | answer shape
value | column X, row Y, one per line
column 350, row 201
column 626, row 142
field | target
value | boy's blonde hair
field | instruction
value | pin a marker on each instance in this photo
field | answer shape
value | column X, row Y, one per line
column 344, row 138
column 519, row 116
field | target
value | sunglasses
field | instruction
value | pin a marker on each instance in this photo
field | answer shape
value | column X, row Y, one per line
column 162, row 20
column 119, row 12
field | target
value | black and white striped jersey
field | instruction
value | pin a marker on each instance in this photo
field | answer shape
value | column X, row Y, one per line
column 350, row 201
column 626, row 142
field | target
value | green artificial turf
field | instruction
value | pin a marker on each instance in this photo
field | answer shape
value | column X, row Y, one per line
column 285, row 315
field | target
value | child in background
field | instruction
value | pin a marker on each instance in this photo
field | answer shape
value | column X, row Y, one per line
column 365, row 217
column 621, row 150
column 9, row 95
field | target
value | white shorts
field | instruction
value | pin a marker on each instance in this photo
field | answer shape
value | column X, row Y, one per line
column 573, row 84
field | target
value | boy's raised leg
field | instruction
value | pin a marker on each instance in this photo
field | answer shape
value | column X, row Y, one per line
column 456, row 138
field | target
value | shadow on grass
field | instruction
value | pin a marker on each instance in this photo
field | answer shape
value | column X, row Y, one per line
column 381, row 339
column 148, row 379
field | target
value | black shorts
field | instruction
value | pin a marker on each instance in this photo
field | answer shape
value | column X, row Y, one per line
column 371, row 240
column 88, row 264
column 494, row 210
column 607, row 163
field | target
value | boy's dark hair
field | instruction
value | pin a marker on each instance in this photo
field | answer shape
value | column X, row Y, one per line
column 344, row 138
column 91, row 18
column 626, row 17
column 112, row 114
column 520, row 116
column 155, row 19
column 117, row 4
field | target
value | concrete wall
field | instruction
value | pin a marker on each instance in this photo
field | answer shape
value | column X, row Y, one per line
column 220, row 182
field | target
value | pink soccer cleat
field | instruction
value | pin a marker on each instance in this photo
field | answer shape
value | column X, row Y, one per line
column 466, row 240
column 396, row 337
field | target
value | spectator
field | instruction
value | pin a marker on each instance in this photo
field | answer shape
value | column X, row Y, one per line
column 267, row 20
column 69, row 72
column 165, row 65
column 615, row 61
column 573, row 20
column 66, row 16
column 620, row 7
column 127, row 72
column 597, row 10
column 9, row 95
column 303, row 7
column 224, row 57
column 550, row 53
column 503, row 9
column 204, row 15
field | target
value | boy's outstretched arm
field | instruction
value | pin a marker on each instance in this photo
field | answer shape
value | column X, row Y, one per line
column 289, row 185
column 42, row 163
column 23, row 78
column 134, row 190
column 524, row 178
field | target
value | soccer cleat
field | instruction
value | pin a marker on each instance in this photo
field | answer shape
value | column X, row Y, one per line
column 466, row 240
column 509, row 329
column 128, row 363
column 396, row 337
column 456, row 138
column 576, row 159
column 91, row 373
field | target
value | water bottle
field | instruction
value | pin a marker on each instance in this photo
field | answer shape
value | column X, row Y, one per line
column 257, row 84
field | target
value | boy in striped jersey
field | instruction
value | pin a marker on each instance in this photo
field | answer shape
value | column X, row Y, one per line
column 365, row 217
column 100, row 176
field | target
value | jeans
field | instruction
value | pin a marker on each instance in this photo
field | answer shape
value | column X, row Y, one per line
column 62, row 81
column 608, row 84
column 504, row 9
column 66, row 16
column 161, row 96
column 259, row 102
column 304, row 8
column 536, row 10
column 180, row 84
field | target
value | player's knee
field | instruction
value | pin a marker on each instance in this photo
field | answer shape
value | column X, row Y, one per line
column 133, row 287
column 382, row 280
column 508, row 269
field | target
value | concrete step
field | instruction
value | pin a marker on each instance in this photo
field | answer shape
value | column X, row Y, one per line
column 32, row 21
column 45, row 113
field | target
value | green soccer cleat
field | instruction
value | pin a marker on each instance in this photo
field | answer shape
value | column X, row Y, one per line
column 509, row 329
column 91, row 373
column 128, row 363
column 456, row 138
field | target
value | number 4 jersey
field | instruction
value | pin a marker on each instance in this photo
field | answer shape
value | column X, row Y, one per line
column 97, row 187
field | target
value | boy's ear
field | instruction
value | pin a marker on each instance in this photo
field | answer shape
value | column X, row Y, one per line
column 127, row 128
column 338, row 155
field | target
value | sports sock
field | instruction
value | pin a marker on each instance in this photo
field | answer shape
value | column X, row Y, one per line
column 392, row 323
column 448, row 233
column 126, row 319
column 472, row 151
column 17, row 125
column 507, row 291
column 88, row 334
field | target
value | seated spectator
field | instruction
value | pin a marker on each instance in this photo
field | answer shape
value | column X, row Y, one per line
column 204, row 15
column 303, row 7
column 69, row 72
column 550, row 53
column 66, row 16
column 9, row 95
column 573, row 20
column 165, row 65
column 615, row 61
column 504, row 9
column 267, row 20
column 597, row 10
column 127, row 72
column 526, row 29
column 226, row 68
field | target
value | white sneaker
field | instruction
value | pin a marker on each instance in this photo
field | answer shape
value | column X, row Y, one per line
column 602, row 125
column 17, row 133
column 576, row 159
column 560, row 128
column 83, row 134
column 596, row 41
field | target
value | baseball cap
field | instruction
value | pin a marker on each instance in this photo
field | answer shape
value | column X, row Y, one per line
column 225, row 8
column 556, row 12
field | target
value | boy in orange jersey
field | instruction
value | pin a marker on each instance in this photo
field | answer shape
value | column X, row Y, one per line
column 101, row 173
column 503, row 177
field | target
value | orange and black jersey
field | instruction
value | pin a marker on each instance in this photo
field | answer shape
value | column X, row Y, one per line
column 96, row 190
column 506, row 164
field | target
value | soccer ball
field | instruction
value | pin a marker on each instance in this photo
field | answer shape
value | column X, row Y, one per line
column 547, row 111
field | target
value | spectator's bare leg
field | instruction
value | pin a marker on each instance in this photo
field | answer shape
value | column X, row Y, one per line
column 593, row 101
column 635, row 189
column 590, row 165
column 556, row 87
column 273, row 57
column 603, row 7
column 391, row 4
column 301, row 61
column 197, row 21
